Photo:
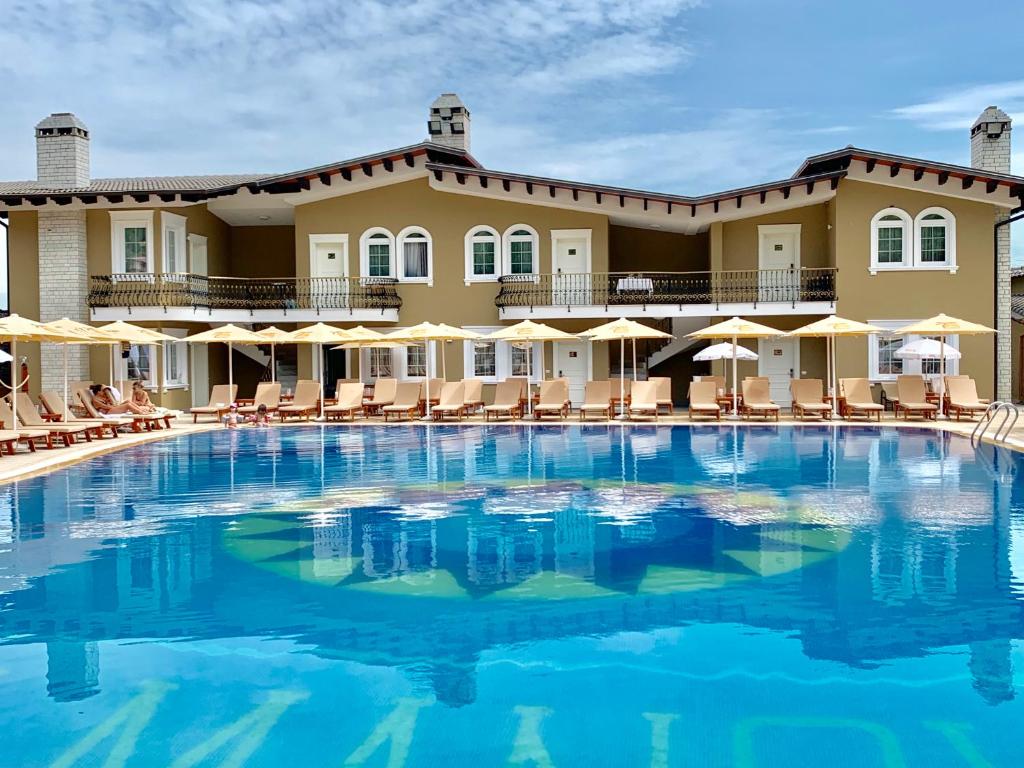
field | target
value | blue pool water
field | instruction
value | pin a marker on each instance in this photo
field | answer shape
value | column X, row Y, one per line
column 556, row 596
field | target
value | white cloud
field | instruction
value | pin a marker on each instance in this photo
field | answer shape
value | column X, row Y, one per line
column 957, row 109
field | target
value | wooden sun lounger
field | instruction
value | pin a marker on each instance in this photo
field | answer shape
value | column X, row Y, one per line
column 963, row 397
column 221, row 398
column 383, row 394
column 809, row 399
column 756, row 401
column 135, row 421
column 451, row 402
column 663, row 385
column 26, row 413
column 859, row 402
column 268, row 393
column 407, row 401
column 54, row 405
column 507, row 401
column 306, row 402
column 703, row 400
column 597, row 398
column 473, row 396
column 912, row 398
column 27, row 436
column 554, row 399
column 643, row 399
column 349, row 397
column 9, row 440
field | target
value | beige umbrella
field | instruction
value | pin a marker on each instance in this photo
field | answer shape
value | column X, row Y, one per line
column 120, row 331
column 227, row 334
column 18, row 328
column 529, row 332
column 424, row 333
column 830, row 328
column 274, row 336
column 734, row 329
column 319, row 334
column 75, row 333
column 942, row 326
column 620, row 330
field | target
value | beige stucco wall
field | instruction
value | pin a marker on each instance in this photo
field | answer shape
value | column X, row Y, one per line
column 23, row 269
column 262, row 252
column 633, row 248
column 739, row 239
column 448, row 217
column 914, row 294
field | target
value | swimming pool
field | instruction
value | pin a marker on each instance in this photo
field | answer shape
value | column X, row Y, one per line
column 557, row 595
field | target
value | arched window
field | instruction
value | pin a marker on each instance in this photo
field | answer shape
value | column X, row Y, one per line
column 415, row 251
column 376, row 253
column 521, row 250
column 890, row 240
column 935, row 239
column 483, row 254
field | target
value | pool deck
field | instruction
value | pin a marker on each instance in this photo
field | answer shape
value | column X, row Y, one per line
column 25, row 463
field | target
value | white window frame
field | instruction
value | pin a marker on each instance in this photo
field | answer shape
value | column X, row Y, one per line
column 909, row 366
column 177, row 227
column 149, row 382
column 470, row 239
column 506, row 242
column 468, row 353
column 180, row 350
column 949, row 223
column 119, row 222
column 364, row 252
column 399, row 257
column 876, row 225
column 365, row 374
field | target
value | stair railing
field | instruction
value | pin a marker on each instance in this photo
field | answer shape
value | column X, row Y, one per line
column 1010, row 414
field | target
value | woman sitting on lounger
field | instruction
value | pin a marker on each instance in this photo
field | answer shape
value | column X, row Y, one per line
column 140, row 397
column 104, row 402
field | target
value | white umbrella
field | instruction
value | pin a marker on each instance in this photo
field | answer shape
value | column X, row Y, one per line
column 725, row 351
column 735, row 329
column 927, row 349
column 4, row 357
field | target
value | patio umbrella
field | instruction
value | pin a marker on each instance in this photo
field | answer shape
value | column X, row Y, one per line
column 120, row 331
column 226, row 334
column 76, row 333
column 725, row 351
column 17, row 328
column 274, row 336
column 529, row 332
column 427, row 332
column 830, row 328
column 319, row 334
column 620, row 330
column 735, row 328
column 942, row 326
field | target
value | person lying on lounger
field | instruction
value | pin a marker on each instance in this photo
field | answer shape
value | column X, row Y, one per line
column 140, row 397
column 103, row 401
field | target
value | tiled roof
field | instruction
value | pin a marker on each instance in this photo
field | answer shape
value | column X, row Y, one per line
column 1017, row 272
column 1017, row 306
column 134, row 184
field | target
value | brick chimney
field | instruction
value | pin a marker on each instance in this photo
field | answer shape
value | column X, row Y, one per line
column 990, row 141
column 449, row 122
column 62, row 151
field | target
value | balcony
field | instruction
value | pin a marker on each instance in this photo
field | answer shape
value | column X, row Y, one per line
column 668, row 294
column 147, row 296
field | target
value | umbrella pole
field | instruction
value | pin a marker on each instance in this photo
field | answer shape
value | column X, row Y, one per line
column 111, row 365
column 444, row 364
column 942, row 376
column 320, row 349
column 231, row 372
column 273, row 363
column 428, row 411
column 622, row 385
column 835, row 378
column 529, row 376
column 634, row 359
column 65, row 382
column 735, row 383
column 15, row 376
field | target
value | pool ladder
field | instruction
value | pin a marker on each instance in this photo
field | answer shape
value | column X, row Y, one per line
column 1010, row 415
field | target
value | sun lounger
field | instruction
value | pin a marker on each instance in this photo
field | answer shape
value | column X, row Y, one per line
column 407, row 401
column 306, row 402
column 27, row 436
column 507, row 400
column 643, row 399
column 702, row 399
column 912, row 400
column 9, row 440
column 221, row 398
column 597, row 398
column 348, row 401
column 54, row 405
column 719, row 383
column 268, row 393
column 383, row 394
column 809, row 399
column 554, row 399
column 524, row 389
column 859, row 401
column 28, row 416
column 452, row 401
column 756, row 401
column 473, row 395
column 963, row 397
column 135, row 421
column 664, row 390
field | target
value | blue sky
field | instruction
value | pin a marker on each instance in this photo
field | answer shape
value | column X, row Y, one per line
column 672, row 95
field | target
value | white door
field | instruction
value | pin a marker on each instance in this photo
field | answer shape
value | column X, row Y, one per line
column 778, row 360
column 779, row 262
column 571, row 267
column 572, row 362
column 197, row 257
column 329, row 267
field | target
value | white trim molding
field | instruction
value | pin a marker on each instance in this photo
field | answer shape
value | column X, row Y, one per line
column 121, row 221
column 173, row 229
column 900, row 220
column 340, row 239
column 908, row 366
column 473, row 236
column 413, row 234
column 195, row 241
column 179, row 350
column 509, row 237
column 364, row 251
column 571, row 234
column 947, row 223
column 778, row 229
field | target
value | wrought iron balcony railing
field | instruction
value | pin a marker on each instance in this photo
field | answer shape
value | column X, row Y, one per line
column 752, row 286
column 130, row 290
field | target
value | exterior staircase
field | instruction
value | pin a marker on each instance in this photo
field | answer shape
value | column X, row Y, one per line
column 680, row 327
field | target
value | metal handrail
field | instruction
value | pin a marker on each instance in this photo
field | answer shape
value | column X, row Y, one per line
column 1010, row 415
